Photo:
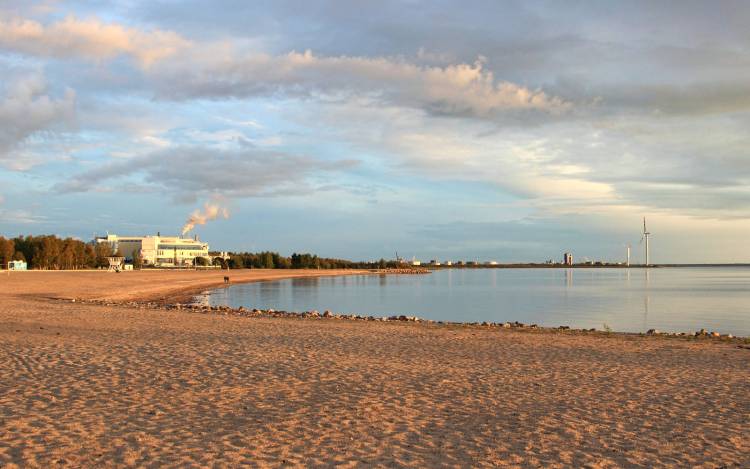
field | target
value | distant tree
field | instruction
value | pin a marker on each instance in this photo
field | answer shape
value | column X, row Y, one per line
column 67, row 258
column 202, row 261
column 275, row 260
column 282, row 262
column 235, row 262
column 138, row 260
column 7, row 249
column 101, row 252
column 267, row 260
column 47, row 252
column 89, row 256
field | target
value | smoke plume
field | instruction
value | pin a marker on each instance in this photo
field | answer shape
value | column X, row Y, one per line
column 200, row 217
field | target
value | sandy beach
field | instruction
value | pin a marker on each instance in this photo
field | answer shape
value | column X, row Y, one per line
column 87, row 385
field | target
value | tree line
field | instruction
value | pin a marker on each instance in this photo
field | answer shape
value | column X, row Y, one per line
column 48, row 252
column 274, row 260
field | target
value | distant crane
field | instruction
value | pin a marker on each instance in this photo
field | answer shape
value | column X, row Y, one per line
column 645, row 236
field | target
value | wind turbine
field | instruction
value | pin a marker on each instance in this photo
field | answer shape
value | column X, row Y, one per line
column 645, row 236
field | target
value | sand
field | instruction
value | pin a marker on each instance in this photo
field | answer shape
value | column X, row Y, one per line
column 85, row 385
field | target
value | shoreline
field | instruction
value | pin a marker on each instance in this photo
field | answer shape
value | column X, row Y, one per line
column 183, row 298
column 147, row 285
column 94, row 381
column 186, row 300
column 195, row 305
column 314, row 315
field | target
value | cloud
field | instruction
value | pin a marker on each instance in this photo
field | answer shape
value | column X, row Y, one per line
column 20, row 216
column 459, row 89
column 574, row 168
column 89, row 39
column 196, row 172
column 180, row 69
column 696, row 99
column 26, row 111
column 518, row 161
column 632, row 162
column 568, row 110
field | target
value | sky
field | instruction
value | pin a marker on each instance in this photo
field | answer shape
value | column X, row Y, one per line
column 507, row 131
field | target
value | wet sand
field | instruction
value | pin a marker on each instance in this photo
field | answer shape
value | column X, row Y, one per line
column 86, row 385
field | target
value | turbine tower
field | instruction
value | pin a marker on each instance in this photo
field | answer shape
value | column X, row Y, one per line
column 627, row 258
column 645, row 236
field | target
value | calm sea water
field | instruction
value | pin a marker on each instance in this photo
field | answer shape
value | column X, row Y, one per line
column 634, row 300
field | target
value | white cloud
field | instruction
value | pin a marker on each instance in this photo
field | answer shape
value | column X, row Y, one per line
column 179, row 68
column 91, row 39
column 459, row 89
column 613, row 167
column 671, row 141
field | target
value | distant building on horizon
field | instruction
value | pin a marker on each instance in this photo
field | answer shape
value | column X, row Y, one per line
column 158, row 251
column 568, row 258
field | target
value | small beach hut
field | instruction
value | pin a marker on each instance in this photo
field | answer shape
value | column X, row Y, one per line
column 17, row 265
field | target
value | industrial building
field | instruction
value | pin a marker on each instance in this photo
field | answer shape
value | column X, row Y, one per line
column 158, row 251
column 568, row 258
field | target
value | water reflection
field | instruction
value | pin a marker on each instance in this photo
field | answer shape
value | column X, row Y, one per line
column 646, row 298
column 684, row 299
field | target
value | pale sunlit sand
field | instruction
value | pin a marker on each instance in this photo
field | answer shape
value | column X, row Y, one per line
column 93, row 385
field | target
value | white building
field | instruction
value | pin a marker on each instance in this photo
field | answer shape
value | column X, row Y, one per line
column 17, row 265
column 158, row 251
column 568, row 258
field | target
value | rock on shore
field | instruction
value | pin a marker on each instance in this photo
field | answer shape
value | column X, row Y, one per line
column 327, row 314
